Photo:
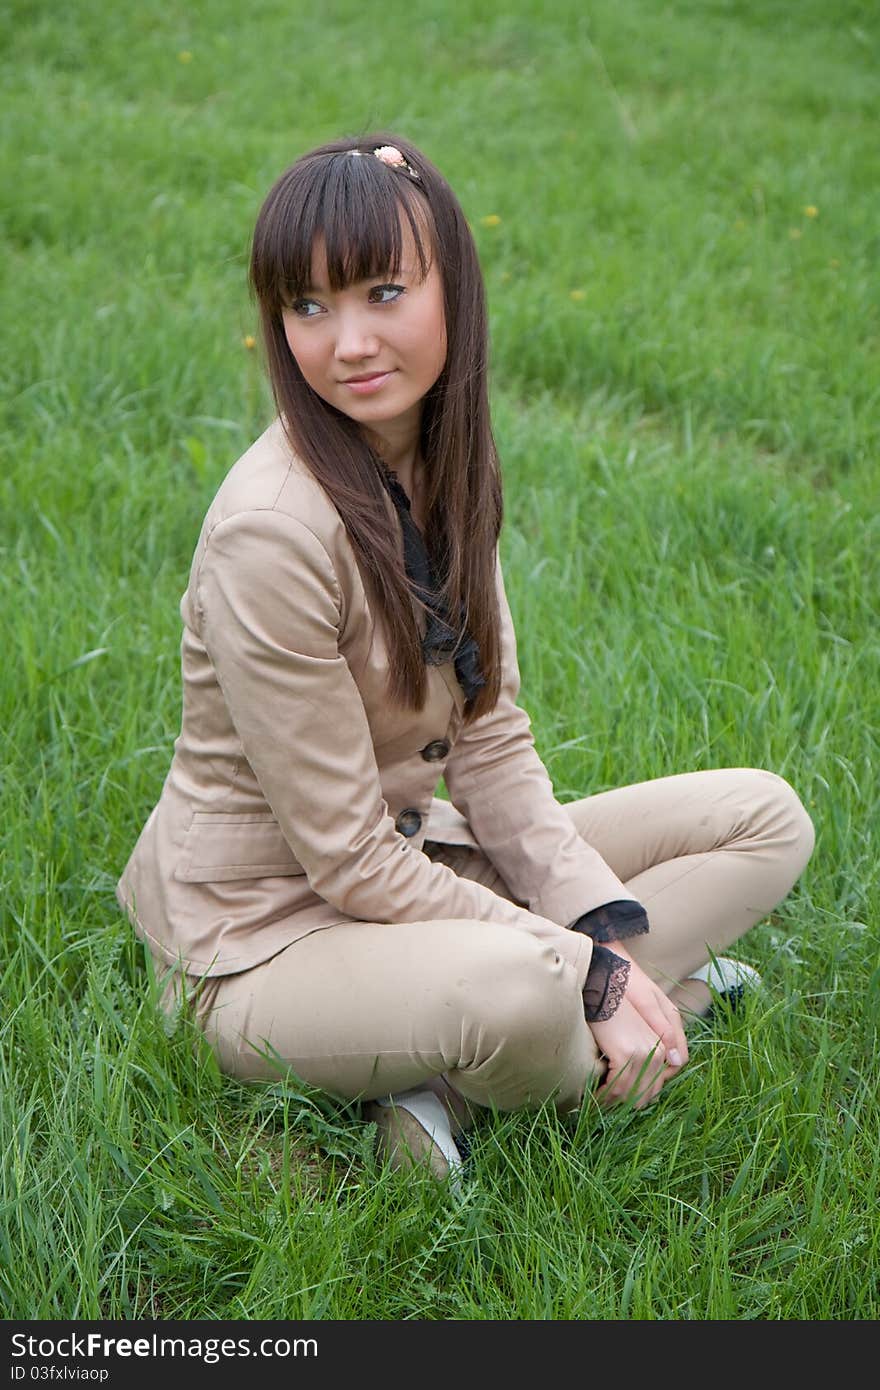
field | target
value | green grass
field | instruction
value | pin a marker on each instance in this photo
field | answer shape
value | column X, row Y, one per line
column 686, row 399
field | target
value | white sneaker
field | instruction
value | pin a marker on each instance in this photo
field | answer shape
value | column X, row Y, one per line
column 728, row 978
column 413, row 1128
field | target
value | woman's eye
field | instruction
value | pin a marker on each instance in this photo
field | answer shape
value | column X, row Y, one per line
column 393, row 292
column 303, row 307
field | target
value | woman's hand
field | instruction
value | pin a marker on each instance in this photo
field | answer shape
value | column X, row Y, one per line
column 644, row 1040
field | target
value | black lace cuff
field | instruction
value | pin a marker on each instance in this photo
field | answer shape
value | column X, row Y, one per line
column 613, row 921
column 606, row 982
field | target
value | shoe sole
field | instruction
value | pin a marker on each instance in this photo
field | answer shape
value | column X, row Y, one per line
column 403, row 1143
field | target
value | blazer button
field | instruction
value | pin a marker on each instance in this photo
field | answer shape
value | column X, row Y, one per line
column 409, row 822
column 436, row 751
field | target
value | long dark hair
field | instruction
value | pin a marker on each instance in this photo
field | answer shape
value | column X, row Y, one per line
column 357, row 206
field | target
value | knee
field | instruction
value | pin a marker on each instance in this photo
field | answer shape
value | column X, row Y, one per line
column 772, row 819
column 530, row 1004
column 783, row 817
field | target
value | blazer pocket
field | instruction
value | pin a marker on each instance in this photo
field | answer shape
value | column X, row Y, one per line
column 220, row 847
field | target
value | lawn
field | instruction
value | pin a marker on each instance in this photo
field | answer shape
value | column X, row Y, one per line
column 676, row 212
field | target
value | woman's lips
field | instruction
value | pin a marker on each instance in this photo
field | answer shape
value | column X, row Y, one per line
column 365, row 386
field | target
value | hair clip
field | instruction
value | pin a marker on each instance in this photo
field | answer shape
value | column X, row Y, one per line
column 391, row 155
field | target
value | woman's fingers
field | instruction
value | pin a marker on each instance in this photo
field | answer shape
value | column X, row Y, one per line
column 639, row 1077
column 665, row 1020
column 644, row 1043
column 674, row 1039
column 658, row 1012
column 636, row 1078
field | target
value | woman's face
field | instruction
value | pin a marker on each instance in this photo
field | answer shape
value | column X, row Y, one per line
column 375, row 348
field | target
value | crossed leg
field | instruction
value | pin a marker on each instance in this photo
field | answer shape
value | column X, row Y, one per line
column 366, row 1009
column 708, row 854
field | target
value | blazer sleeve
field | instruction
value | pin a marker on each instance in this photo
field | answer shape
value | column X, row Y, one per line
column 270, row 608
column 495, row 777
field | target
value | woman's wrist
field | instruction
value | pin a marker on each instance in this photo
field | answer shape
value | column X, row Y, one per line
column 605, row 985
column 614, row 921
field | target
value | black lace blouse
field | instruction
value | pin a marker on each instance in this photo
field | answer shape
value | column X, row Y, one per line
column 442, row 641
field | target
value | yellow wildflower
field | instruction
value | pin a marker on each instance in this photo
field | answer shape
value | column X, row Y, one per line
column 811, row 210
column 493, row 220
column 185, row 56
column 249, row 341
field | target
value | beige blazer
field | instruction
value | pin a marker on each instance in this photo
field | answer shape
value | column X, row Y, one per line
column 297, row 797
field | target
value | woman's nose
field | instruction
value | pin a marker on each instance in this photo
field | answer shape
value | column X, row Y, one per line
column 355, row 339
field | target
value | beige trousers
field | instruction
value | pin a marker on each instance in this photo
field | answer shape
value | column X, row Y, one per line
column 363, row 1009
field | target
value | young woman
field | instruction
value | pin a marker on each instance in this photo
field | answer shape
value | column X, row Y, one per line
column 346, row 643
